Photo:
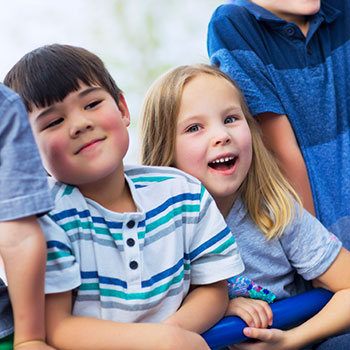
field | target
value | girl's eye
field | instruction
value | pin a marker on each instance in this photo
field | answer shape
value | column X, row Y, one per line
column 53, row 123
column 193, row 128
column 230, row 120
column 92, row 105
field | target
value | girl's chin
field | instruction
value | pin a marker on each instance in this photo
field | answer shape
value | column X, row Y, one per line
column 222, row 195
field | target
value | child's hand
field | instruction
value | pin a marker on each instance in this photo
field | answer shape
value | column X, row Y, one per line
column 270, row 339
column 255, row 313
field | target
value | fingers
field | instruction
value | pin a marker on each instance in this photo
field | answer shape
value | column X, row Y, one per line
column 255, row 313
column 258, row 333
column 269, row 336
column 268, row 339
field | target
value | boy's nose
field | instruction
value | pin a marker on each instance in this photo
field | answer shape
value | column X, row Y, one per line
column 81, row 126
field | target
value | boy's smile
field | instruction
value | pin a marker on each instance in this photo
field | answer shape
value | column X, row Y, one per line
column 90, row 145
column 82, row 139
column 213, row 141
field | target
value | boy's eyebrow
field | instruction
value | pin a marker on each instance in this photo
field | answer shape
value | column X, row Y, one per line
column 45, row 112
column 89, row 90
column 80, row 95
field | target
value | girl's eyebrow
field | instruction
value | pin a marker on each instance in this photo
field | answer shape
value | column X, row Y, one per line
column 190, row 119
column 235, row 108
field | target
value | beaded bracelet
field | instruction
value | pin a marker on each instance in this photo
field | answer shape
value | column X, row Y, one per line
column 29, row 342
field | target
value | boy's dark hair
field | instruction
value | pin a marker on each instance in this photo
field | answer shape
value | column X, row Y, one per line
column 48, row 74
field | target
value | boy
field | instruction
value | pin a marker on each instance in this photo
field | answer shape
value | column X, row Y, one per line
column 23, row 194
column 292, row 60
column 126, row 244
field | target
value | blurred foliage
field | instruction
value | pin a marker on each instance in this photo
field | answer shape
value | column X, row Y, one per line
column 144, row 37
column 151, row 36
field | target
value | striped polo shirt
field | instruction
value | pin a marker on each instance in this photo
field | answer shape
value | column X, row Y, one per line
column 281, row 71
column 137, row 266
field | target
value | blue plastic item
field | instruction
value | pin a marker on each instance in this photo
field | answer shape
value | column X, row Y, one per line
column 286, row 313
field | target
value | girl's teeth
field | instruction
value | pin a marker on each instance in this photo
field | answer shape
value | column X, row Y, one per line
column 222, row 160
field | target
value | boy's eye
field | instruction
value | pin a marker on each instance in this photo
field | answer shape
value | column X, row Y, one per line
column 92, row 105
column 193, row 128
column 230, row 120
column 53, row 123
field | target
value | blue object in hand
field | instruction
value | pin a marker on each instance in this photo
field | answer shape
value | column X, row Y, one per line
column 286, row 313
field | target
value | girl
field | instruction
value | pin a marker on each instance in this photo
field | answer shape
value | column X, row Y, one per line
column 207, row 131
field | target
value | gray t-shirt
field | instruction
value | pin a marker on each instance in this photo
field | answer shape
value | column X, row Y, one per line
column 306, row 248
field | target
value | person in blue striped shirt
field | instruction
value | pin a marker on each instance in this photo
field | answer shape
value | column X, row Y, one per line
column 137, row 256
column 291, row 59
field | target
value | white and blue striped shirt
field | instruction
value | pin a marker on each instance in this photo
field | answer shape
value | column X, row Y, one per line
column 137, row 267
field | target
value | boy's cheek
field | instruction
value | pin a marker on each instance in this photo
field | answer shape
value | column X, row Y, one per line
column 51, row 151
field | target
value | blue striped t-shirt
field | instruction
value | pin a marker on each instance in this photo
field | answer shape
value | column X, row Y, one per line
column 137, row 266
column 281, row 71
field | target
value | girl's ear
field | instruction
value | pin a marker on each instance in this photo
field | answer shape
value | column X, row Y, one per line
column 124, row 110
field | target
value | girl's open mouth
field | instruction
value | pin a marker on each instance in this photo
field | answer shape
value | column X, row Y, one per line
column 223, row 163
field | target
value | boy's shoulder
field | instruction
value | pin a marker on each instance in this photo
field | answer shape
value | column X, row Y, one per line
column 142, row 175
column 61, row 192
column 230, row 10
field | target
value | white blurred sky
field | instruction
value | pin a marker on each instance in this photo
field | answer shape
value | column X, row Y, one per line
column 182, row 27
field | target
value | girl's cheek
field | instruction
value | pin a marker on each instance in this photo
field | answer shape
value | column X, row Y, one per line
column 248, row 143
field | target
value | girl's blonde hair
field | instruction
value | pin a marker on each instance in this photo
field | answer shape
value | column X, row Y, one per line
column 265, row 192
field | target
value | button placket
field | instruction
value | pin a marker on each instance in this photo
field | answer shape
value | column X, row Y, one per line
column 130, row 224
column 130, row 242
column 133, row 265
column 290, row 31
column 132, row 253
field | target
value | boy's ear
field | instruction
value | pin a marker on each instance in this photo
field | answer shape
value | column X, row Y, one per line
column 124, row 110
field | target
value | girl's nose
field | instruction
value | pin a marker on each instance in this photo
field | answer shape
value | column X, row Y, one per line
column 221, row 137
column 80, row 126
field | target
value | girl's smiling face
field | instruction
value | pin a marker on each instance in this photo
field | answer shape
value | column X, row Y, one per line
column 213, row 139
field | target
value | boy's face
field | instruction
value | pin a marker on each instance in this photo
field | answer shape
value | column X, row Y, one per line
column 84, row 138
column 213, row 140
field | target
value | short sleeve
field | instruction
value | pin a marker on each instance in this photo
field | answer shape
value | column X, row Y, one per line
column 214, row 254
column 62, row 268
column 23, row 182
column 233, row 51
column 310, row 247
